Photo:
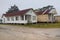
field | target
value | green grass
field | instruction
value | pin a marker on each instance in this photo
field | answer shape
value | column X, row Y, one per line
column 39, row 25
column 44, row 25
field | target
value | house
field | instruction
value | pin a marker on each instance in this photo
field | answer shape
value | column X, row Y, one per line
column 46, row 14
column 57, row 18
column 20, row 17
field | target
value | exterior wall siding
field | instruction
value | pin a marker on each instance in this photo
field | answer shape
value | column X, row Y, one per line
column 42, row 18
column 57, row 18
column 32, row 14
column 15, row 21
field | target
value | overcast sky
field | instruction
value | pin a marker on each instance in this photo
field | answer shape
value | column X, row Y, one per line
column 24, row 4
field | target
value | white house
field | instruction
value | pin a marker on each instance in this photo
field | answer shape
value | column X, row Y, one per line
column 22, row 16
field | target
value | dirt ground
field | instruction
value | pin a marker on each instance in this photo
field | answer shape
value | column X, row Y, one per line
column 8, row 32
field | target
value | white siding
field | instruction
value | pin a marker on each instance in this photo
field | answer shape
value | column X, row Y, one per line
column 32, row 14
column 15, row 21
column 51, row 18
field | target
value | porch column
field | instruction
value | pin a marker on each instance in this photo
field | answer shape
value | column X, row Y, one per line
column 52, row 18
column 24, row 17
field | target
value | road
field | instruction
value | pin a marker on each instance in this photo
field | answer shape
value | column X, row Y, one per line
column 10, row 32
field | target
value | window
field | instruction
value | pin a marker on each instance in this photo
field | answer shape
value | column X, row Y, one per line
column 22, row 17
column 49, row 16
column 12, row 18
column 4, row 19
column 17, row 18
column 8, row 19
column 26, row 17
column 34, row 17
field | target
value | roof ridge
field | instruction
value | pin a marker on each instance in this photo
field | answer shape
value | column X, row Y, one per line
column 22, row 12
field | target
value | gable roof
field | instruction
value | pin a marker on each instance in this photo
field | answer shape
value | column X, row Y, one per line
column 43, row 12
column 39, row 13
column 47, row 12
column 21, row 12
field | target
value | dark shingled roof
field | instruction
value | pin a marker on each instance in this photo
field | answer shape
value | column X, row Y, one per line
column 41, row 12
column 21, row 12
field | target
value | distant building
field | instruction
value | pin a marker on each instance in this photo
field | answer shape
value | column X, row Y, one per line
column 46, row 14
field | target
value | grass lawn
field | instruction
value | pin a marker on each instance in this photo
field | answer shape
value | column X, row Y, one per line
column 39, row 25
column 44, row 25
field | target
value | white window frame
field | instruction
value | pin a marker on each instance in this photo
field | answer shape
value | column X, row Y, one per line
column 17, row 18
column 12, row 18
column 22, row 17
column 34, row 17
column 8, row 18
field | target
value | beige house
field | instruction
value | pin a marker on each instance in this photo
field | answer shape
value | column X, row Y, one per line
column 57, row 18
column 42, row 18
column 46, row 15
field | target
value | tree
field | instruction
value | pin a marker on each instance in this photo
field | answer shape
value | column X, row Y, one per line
column 13, row 9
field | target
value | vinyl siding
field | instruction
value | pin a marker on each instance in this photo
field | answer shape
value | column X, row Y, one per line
column 42, row 18
column 57, row 18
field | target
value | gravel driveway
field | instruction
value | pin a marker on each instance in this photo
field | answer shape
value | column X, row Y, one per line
column 8, row 32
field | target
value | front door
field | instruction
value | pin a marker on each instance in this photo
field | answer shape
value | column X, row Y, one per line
column 51, row 17
column 28, row 18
